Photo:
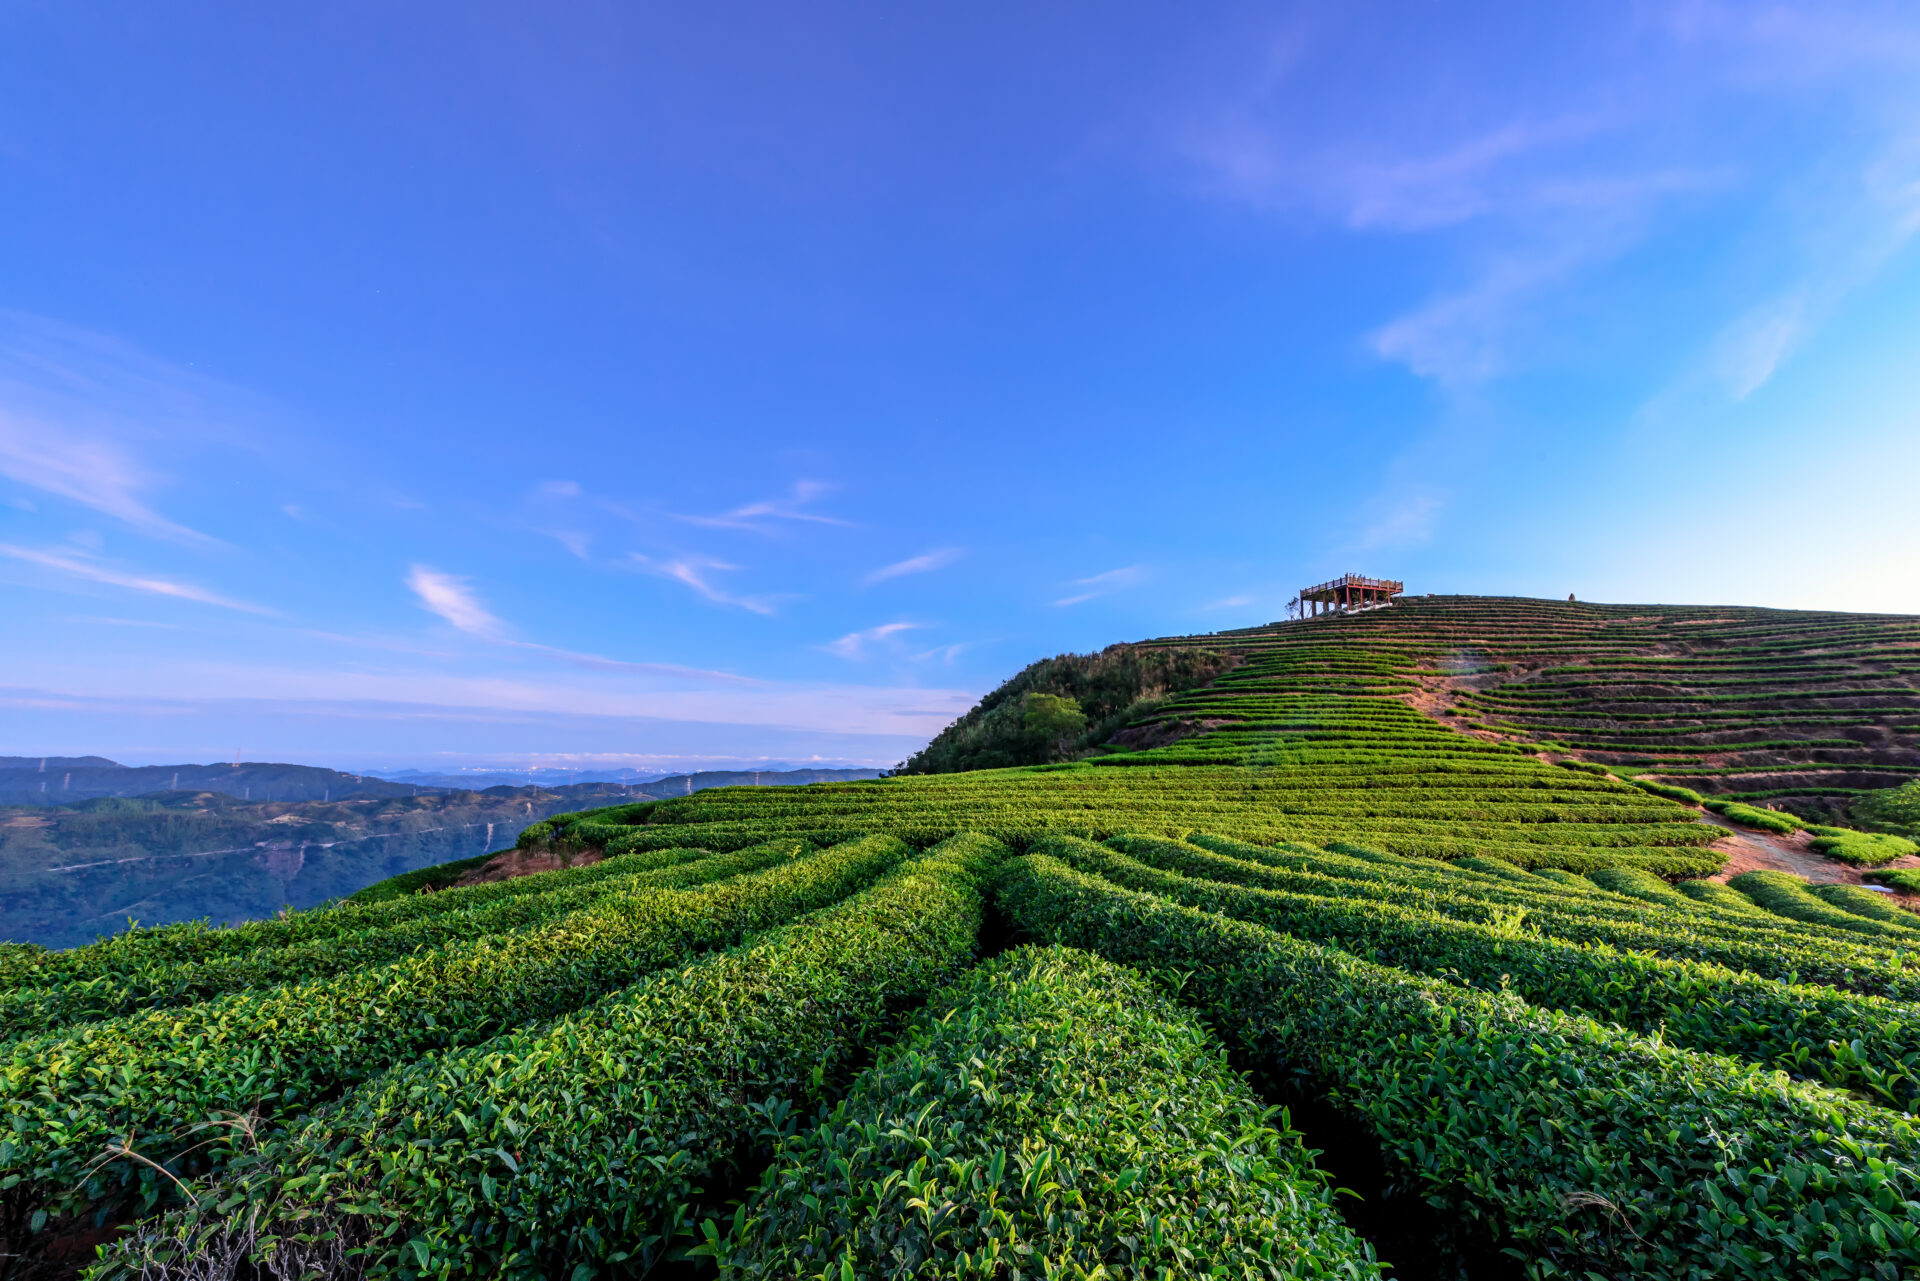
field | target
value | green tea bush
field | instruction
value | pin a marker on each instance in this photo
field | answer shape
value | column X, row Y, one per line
column 1789, row 895
column 1638, row 883
column 1685, row 795
column 1792, row 1026
column 167, row 1076
column 1860, row 902
column 1721, row 897
column 584, row 1147
column 1588, row 1151
column 1749, row 816
column 29, row 1010
column 1051, row 1115
column 1761, row 943
column 1862, row 849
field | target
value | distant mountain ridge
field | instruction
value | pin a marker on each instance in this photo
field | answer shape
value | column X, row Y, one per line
column 68, row 780
column 64, row 780
column 688, row 784
column 480, row 779
column 106, row 842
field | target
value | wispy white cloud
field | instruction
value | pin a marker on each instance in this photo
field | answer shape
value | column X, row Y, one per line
column 408, row 693
column 763, row 516
column 576, row 541
column 1229, row 602
column 1462, row 180
column 697, row 573
column 1398, row 517
column 1101, row 584
column 1469, row 334
column 83, row 416
column 453, row 600
column 1837, row 248
column 1531, row 187
column 945, row 653
column 1752, row 347
column 92, row 571
column 939, row 558
column 90, row 470
column 854, row 645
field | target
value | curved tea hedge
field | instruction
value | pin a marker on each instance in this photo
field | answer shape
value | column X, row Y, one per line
column 1592, row 1151
column 1052, row 1113
column 748, row 1032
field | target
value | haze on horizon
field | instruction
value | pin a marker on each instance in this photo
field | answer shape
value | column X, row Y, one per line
column 476, row 385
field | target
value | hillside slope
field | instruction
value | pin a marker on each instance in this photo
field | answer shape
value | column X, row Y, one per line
column 1314, row 732
column 1044, row 1019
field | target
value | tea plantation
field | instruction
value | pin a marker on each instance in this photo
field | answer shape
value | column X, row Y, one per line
column 1389, row 950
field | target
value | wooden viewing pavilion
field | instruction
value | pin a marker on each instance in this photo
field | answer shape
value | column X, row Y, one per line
column 1347, row 593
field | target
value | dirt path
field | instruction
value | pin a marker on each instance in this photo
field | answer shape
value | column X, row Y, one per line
column 1751, row 851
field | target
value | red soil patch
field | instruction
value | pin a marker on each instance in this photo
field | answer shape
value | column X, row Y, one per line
column 516, row 862
column 1751, row 851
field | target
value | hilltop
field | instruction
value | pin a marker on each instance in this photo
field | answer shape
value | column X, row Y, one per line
column 1455, row 882
column 1437, row 726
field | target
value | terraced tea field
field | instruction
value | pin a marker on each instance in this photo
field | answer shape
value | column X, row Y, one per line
column 1757, row 703
column 1135, row 1015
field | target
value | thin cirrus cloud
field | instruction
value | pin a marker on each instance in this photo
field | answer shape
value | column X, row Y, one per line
column 764, row 516
column 558, row 503
column 1544, row 193
column 938, row 558
column 916, row 712
column 1101, row 584
column 454, row 600
column 855, row 645
column 77, row 567
column 78, row 410
column 697, row 573
column 89, row 470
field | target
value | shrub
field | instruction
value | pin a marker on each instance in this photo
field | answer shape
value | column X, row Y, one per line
column 1875, row 907
column 580, row 1148
column 272, row 1053
column 1895, row 809
column 1052, row 1115
column 1750, row 816
column 1788, row 895
column 1588, row 1151
column 1862, row 849
column 1685, row 795
column 1904, row 879
column 1110, row 688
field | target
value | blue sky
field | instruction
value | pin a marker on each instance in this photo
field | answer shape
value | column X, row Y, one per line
column 648, row 385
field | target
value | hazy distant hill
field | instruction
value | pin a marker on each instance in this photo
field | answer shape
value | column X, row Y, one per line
column 688, row 784
column 774, row 774
column 62, row 780
column 70, row 872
